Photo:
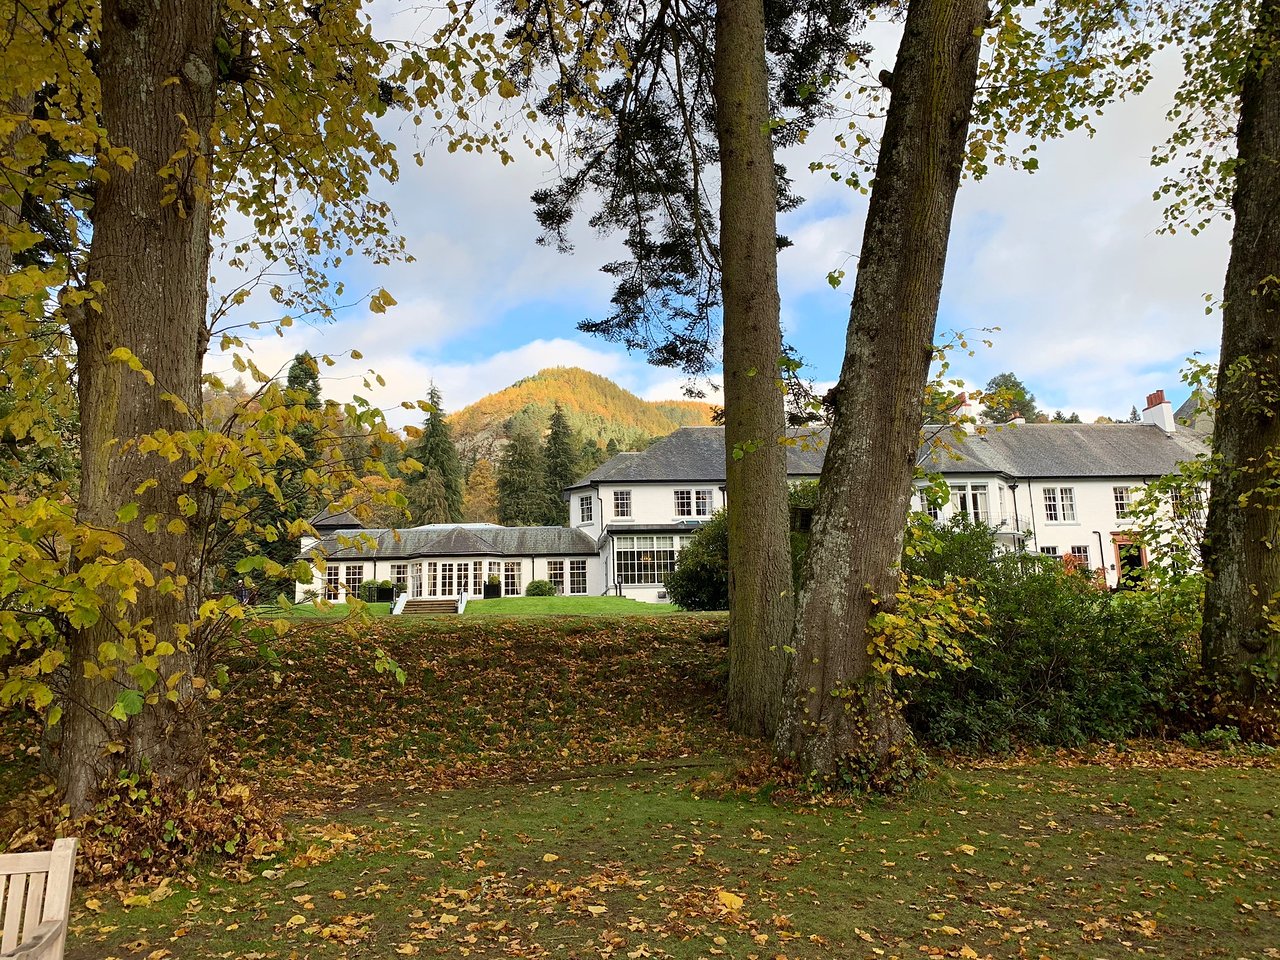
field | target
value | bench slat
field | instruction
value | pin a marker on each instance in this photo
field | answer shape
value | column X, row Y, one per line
column 35, row 862
column 35, row 904
column 13, row 911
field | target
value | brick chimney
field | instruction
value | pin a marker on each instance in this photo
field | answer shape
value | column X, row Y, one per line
column 1159, row 411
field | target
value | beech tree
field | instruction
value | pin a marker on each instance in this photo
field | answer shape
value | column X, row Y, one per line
column 1045, row 71
column 839, row 718
column 688, row 102
column 153, row 122
column 1240, row 641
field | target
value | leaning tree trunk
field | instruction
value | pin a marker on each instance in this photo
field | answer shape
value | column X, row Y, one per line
column 151, row 253
column 1242, row 565
column 760, row 591
column 839, row 720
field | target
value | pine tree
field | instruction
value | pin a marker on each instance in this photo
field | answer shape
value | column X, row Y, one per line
column 562, row 467
column 480, row 500
column 522, row 482
column 1134, row 416
column 435, row 494
column 1006, row 397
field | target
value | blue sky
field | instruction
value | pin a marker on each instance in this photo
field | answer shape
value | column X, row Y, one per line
column 1096, row 308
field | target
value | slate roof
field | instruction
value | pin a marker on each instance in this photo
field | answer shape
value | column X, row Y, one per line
column 696, row 454
column 1061, row 450
column 446, row 541
column 330, row 519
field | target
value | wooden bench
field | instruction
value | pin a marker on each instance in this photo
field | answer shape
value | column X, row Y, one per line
column 35, row 901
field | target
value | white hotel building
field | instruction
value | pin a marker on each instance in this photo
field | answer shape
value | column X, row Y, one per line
column 1058, row 489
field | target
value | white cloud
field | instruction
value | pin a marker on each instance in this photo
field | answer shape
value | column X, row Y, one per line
column 1096, row 308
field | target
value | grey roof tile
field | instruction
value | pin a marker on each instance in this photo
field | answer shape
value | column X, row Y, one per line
column 696, row 454
column 443, row 541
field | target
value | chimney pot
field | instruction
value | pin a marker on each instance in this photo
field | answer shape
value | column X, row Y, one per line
column 1159, row 411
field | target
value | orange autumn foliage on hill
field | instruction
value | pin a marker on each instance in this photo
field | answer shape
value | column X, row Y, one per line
column 597, row 409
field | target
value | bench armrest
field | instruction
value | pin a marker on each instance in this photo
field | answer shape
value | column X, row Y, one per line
column 44, row 940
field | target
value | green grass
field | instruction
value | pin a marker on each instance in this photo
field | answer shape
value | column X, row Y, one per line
column 335, row 611
column 1064, row 863
column 566, row 607
column 554, row 787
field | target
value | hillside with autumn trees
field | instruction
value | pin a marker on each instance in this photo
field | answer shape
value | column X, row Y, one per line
column 596, row 408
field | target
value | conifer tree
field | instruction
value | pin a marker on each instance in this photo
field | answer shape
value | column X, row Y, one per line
column 435, row 494
column 562, row 467
column 522, row 482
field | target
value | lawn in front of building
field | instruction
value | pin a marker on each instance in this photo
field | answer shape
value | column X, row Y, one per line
column 568, row 607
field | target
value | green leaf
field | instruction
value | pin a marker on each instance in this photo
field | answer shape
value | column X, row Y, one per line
column 127, row 513
column 128, row 704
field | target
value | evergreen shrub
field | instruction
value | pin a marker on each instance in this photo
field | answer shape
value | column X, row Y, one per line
column 1063, row 662
column 700, row 580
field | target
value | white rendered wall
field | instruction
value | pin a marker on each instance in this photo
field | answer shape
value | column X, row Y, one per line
column 650, row 503
column 1096, row 526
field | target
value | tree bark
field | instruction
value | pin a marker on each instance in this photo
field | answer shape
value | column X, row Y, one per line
column 152, row 257
column 1242, row 565
column 761, row 603
column 839, row 719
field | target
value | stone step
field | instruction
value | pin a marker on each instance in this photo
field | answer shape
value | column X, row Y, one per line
column 431, row 606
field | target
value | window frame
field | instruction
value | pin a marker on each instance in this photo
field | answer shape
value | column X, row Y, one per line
column 622, row 504
column 644, row 560
column 555, row 574
column 1122, row 499
column 586, row 513
column 684, row 503
column 578, row 574
column 963, row 497
column 400, row 575
column 353, row 585
column 1063, row 502
column 704, row 502
column 512, row 574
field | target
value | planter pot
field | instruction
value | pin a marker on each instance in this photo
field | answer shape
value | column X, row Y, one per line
column 492, row 590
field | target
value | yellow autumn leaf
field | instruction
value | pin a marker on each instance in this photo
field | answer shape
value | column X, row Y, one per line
column 596, row 909
column 550, row 858
column 731, row 900
column 967, row 849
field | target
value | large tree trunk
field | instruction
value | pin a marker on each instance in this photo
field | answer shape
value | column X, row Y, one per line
column 839, row 720
column 760, row 591
column 1242, row 564
column 153, row 258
